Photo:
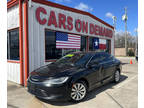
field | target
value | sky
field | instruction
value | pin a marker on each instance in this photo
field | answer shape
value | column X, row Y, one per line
column 105, row 9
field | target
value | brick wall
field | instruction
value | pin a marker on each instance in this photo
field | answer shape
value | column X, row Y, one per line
column 121, row 51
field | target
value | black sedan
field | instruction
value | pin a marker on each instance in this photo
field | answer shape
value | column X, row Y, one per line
column 72, row 76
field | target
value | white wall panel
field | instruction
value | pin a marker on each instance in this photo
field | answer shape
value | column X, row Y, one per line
column 13, row 72
column 36, row 43
column 13, row 69
column 13, row 17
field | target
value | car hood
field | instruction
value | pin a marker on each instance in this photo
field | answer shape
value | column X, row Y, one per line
column 54, row 70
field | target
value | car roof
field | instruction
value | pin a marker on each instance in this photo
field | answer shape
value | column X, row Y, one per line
column 89, row 52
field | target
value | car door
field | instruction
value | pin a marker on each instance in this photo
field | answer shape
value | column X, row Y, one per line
column 107, row 67
column 94, row 67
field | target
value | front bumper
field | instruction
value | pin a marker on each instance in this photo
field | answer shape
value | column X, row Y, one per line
column 49, row 92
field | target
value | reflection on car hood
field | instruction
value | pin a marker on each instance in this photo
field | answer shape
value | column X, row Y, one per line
column 54, row 70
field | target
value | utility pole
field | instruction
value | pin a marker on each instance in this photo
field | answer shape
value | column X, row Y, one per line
column 125, row 18
column 114, row 22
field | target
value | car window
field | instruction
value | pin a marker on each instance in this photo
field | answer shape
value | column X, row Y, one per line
column 74, row 59
column 108, row 57
column 69, row 59
column 97, row 58
column 83, row 60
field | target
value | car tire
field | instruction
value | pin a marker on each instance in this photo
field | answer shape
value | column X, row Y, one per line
column 117, row 76
column 78, row 91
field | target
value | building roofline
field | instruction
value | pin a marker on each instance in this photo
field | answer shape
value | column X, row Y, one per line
column 72, row 10
column 45, row 2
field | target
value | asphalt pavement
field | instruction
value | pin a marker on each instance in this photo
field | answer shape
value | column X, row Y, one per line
column 121, row 95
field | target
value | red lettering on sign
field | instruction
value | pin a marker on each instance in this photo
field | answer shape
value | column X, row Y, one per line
column 78, row 25
column 85, row 27
column 38, row 11
column 100, row 31
column 66, row 22
column 107, row 32
column 52, row 19
column 104, row 31
column 62, row 20
column 70, row 23
column 92, row 28
column 97, row 29
column 110, row 34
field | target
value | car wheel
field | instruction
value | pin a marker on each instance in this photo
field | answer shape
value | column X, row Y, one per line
column 78, row 91
column 117, row 76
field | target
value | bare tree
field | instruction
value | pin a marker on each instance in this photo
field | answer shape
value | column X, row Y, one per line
column 120, row 40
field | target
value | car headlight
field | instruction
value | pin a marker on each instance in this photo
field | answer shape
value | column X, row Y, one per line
column 60, row 80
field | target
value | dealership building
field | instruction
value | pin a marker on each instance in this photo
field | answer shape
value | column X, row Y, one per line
column 39, row 32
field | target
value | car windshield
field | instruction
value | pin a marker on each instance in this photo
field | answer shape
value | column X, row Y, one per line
column 73, row 59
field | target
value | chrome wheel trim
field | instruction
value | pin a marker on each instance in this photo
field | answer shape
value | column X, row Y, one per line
column 117, row 76
column 78, row 91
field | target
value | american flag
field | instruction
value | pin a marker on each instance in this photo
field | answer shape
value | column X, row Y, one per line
column 67, row 41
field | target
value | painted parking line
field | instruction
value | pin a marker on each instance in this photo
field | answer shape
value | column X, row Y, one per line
column 125, row 82
column 114, row 100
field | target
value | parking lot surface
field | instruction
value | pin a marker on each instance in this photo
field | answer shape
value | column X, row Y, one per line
column 121, row 95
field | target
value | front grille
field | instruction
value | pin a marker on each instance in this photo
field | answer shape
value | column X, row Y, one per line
column 41, row 92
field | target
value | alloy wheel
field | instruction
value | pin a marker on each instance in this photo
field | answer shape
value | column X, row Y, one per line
column 78, row 91
column 117, row 76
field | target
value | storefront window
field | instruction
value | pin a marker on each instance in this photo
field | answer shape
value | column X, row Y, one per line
column 91, row 48
column 67, row 51
column 50, row 45
column 83, row 43
column 97, row 44
column 13, row 45
column 108, row 46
